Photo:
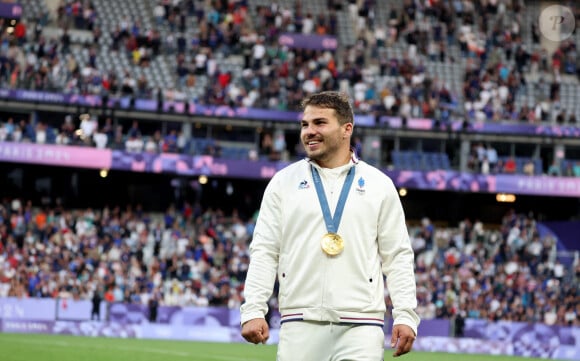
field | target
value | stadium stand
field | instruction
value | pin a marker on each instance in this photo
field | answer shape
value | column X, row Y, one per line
column 412, row 59
column 200, row 257
column 448, row 70
column 223, row 55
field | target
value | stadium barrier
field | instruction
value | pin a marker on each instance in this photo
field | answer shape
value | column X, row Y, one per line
column 220, row 324
column 186, row 165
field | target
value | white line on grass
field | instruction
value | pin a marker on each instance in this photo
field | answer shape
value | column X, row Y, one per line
column 222, row 358
column 123, row 348
column 150, row 350
column 126, row 348
column 41, row 342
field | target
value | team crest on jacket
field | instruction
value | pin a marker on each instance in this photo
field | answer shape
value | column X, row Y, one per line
column 304, row 185
column 360, row 186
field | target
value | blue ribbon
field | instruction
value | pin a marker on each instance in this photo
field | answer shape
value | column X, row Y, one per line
column 332, row 222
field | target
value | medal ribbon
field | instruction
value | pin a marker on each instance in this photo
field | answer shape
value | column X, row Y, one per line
column 332, row 222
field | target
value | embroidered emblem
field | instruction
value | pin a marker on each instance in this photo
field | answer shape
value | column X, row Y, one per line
column 304, row 185
column 360, row 188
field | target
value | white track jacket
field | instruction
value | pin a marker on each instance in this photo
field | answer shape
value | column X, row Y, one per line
column 348, row 287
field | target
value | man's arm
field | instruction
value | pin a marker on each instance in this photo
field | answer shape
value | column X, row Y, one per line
column 398, row 262
column 264, row 255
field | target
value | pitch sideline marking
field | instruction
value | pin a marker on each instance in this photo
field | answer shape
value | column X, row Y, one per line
column 126, row 348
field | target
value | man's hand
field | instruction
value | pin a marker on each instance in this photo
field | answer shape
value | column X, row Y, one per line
column 403, row 338
column 257, row 331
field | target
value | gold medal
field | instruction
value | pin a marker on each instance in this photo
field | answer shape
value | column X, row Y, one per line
column 332, row 244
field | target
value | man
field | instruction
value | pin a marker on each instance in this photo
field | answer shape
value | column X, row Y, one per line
column 329, row 227
column 96, row 305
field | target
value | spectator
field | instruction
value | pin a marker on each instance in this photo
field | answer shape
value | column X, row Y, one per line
column 96, row 305
column 100, row 139
column 510, row 166
column 485, row 165
column 555, row 169
column 528, row 167
column 153, row 307
column 576, row 169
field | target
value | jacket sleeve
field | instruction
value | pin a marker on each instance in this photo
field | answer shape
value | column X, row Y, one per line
column 398, row 259
column 264, row 255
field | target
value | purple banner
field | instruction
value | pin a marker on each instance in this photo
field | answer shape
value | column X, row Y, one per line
column 305, row 41
column 180, row 332
column 434, row 327
column 364, row 120
column 75, row 328
column 531, row 129
column 148, row 105
column 467, row 182
column 411, row 123
column 228, row 112
column 222, row 325
column 537, row 348
column 541, row 185
column 46, row 97
column 10, row 10
column 70, row 156
column 192, row 316
column 482, row 127
column 529, row 339
column 66, row 156
column 77, row 310
column 137, row 313
column 18, row 326
column 43, row 309
column 462, row 345
column 443, row 180
column 196, row 165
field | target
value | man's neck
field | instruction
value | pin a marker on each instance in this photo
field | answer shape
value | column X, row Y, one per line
column 337, row 161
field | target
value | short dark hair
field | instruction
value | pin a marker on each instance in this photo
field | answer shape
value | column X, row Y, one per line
column 338, row 101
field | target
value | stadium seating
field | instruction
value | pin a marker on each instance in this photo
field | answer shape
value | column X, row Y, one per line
column 161, row 73
column 426, row 161
column 210, row 243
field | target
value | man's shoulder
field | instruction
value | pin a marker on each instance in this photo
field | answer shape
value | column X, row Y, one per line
column 293, row 168
column 291, row 174
column 371, row 170
column 373, row 176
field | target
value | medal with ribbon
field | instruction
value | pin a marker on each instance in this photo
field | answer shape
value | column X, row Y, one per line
column 332, row 243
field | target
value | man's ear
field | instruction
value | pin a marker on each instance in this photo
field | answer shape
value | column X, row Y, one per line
column 348, row 127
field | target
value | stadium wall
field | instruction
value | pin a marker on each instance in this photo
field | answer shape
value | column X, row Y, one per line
column 215, row 324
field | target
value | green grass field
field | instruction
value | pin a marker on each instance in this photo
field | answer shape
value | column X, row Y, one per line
column 34, row 347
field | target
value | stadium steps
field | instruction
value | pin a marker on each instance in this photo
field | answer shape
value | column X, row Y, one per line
column 420, row 161
column 33, row 9
column 345, row 29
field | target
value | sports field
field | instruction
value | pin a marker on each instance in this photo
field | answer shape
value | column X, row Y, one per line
column 34, row 347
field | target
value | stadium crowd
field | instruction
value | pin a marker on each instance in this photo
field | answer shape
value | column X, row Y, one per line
column 193, row 256
column 485, row 40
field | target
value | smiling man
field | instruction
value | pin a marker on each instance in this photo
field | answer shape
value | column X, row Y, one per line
column 326, row 132
column 329, row 228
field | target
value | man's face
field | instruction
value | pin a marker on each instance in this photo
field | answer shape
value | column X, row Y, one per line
column 322, row 135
